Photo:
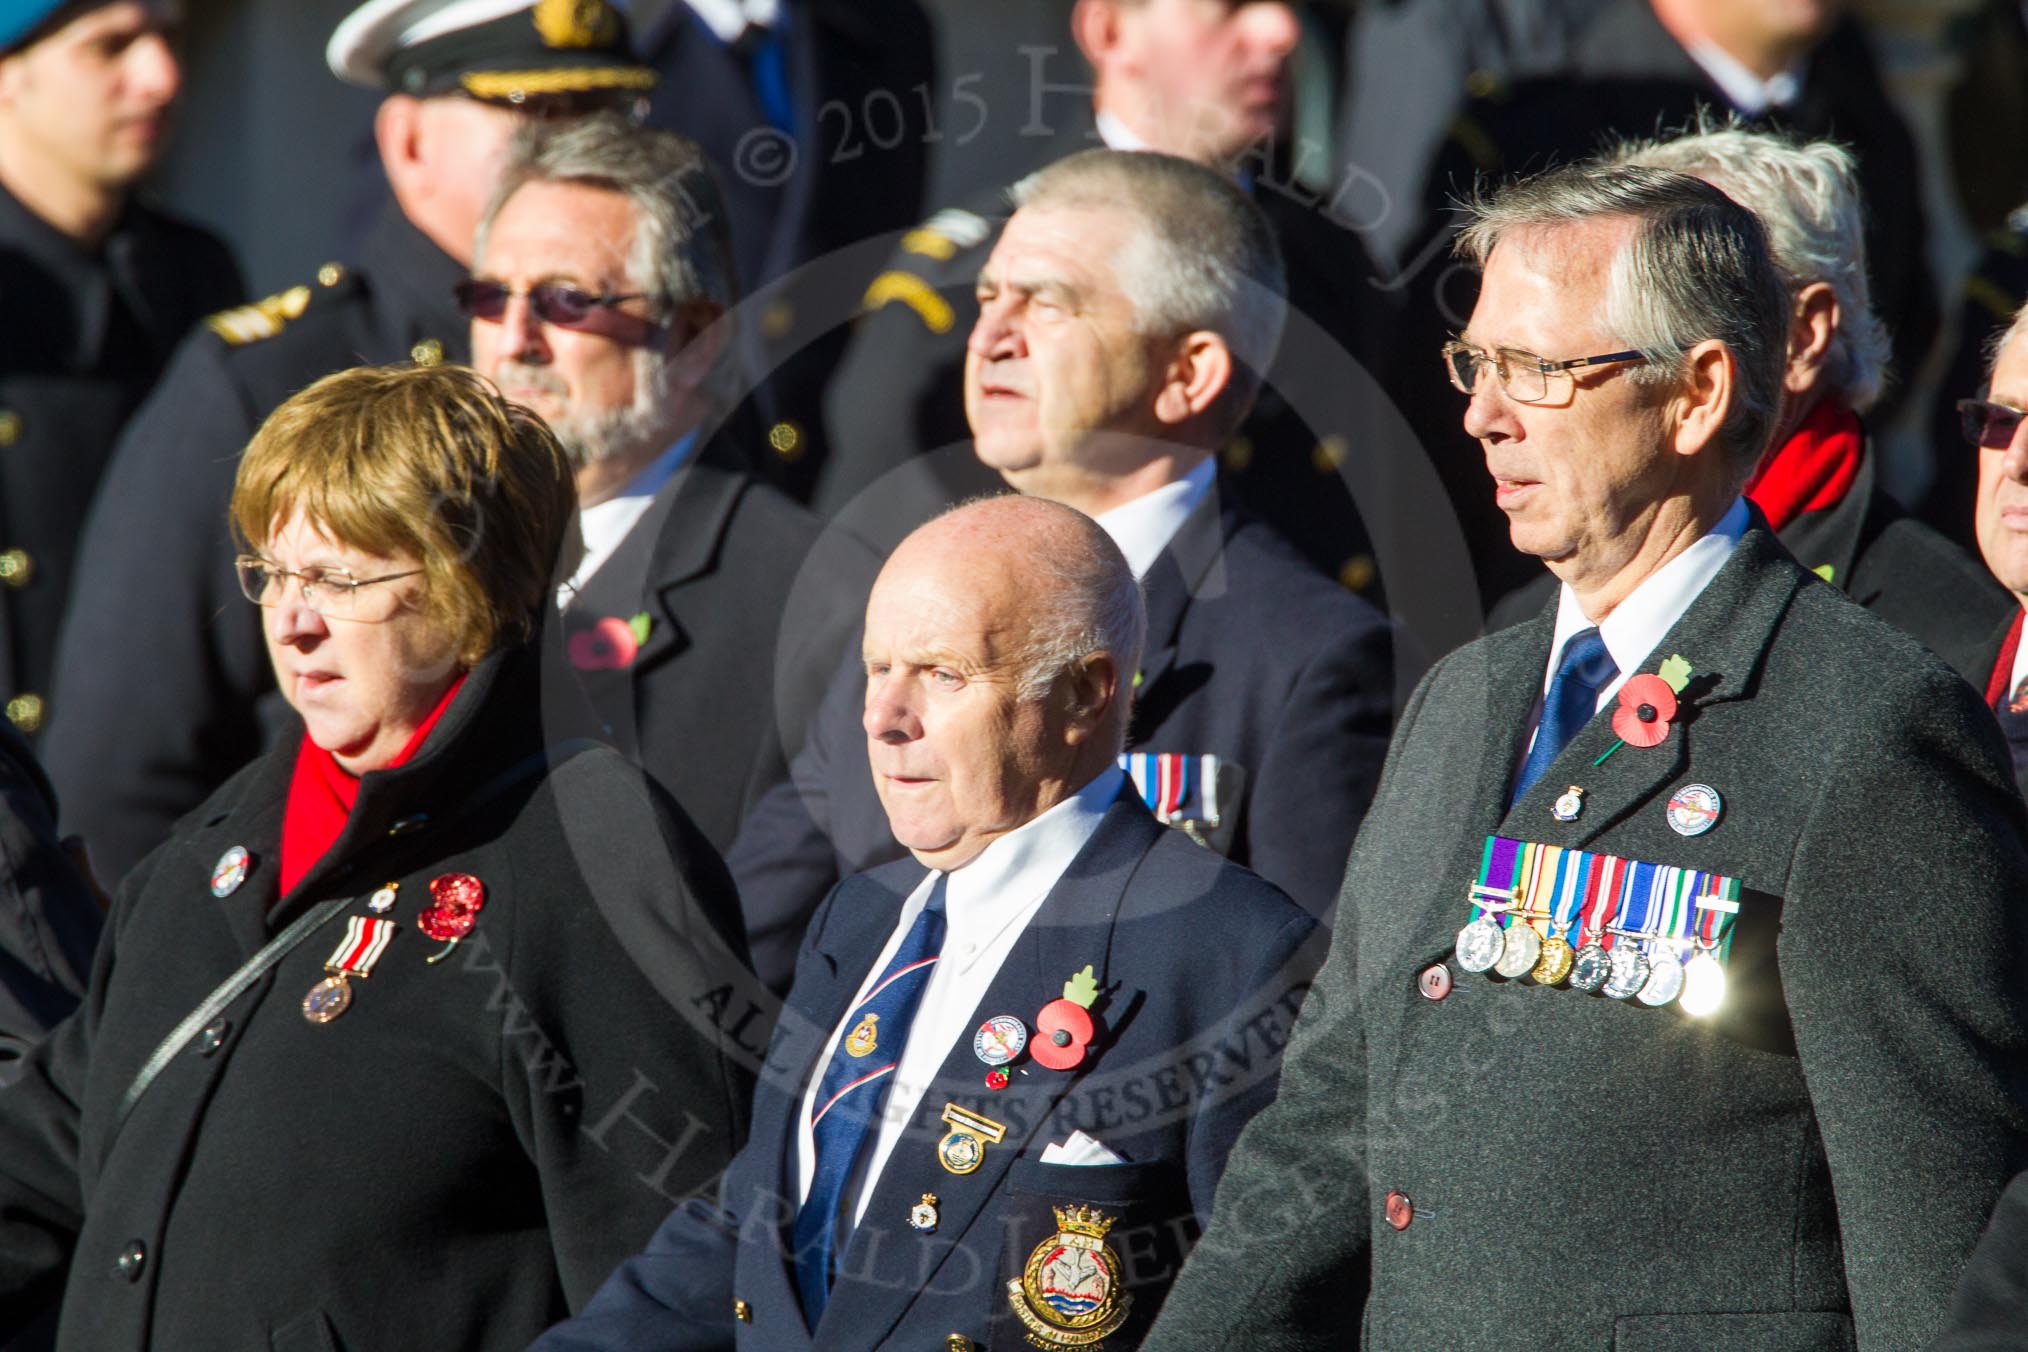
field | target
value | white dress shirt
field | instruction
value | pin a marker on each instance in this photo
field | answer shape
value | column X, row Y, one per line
column 1651, row 610
column 606, row 524
column 729, row 18
column 1744, row 90
column 1144, row 527
column 988, row 902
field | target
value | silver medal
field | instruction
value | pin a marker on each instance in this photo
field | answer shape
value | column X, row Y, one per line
column 1664, row 983
column 1629, row 970
column 1590, row 968
column 1703, row 986
column 1479, row 944
column 1523, row 948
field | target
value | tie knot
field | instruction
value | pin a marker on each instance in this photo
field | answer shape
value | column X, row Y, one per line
column 1586, row 658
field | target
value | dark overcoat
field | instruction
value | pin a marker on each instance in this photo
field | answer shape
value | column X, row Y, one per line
column 1805, row 1170
column 88, row 333
column 49, row 918
column 129, row 756
column 1252, row 657
column 461, row 1156
column 746, row 602
column 1192, row 1034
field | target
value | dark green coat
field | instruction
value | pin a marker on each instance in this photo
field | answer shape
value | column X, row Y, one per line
column 1580, row 1172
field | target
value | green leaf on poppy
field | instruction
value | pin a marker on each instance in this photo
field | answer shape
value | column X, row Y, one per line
column 640, row 624
column 1825, row 570
column 1082, row 989
column 1676, row 672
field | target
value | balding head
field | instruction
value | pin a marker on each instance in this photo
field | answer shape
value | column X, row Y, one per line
column 1000, row 644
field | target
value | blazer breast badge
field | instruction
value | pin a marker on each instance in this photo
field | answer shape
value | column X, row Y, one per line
column 1069, row 1294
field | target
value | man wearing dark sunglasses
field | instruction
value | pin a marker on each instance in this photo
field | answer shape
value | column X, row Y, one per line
column 600, row 297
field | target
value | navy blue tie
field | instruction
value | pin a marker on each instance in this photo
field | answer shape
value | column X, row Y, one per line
column 1586, row 669
column 847, row 1107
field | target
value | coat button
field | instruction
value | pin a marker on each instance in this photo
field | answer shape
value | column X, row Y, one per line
column 428, row 352
column 958, row 1342
column 213, row 1037
column 10, row 427
column 1435, row 981
column 787, row 440
column 131, row 1260
column 26, row 711
column 742, row 1311
column 16, row 568
column 1400, row 1211
column 331, row 274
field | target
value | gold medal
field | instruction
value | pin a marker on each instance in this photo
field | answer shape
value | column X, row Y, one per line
column 964, row 1148
column 1554, row 963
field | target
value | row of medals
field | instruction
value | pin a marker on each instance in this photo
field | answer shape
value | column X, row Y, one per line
column 1654, row 976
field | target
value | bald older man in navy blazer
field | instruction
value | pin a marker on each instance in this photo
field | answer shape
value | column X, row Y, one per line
column 934, row 1168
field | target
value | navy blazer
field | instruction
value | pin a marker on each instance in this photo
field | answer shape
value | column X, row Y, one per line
column 1252, row 656
column 1191, row 1033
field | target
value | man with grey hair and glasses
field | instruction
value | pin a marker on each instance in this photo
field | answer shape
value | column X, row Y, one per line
column 1002, row 1091
column 1817, row 483
column 1680, row 982
column 601, row 297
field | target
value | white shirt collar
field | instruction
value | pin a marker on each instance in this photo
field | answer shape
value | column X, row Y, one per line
column 606, row 524
column 1116, row 134
column 1144, row 527
column 1651, row 610
column 1743, row 89
column 729, row 18
column 1010, row 877
column 2020, row 670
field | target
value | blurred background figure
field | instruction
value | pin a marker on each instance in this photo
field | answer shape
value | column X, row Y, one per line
column 50, row 917
column 818, row 118
column 99, row 287
column 394, row 1141
column 1205, row 82
column 459, row 76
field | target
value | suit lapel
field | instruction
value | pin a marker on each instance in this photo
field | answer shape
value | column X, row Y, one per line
column 1193, row 565
column 1724, row 636
column 1072, row 929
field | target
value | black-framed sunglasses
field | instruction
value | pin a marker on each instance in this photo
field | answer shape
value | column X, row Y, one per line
column 557, row 303
column 1988, row 425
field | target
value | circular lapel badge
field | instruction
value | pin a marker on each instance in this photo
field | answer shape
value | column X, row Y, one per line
column 1694, row 809
column 999, row 1039
column 230, row 871
column 1568, row 805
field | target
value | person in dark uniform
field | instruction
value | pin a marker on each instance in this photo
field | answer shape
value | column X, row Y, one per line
column 1637, row 67
column 50, row 916
column 1616, row 1035
column 1011, row 1067
column 708, row 609
column 99, row 288
column 1263, row 704
column 1205, row 83
column 356, row 1068
column 817, row 118
column 1817, row 486
column 133, row 756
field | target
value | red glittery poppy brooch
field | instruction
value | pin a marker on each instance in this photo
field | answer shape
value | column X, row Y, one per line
column 455, row 902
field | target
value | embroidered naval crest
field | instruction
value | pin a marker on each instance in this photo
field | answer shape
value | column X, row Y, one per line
column 1069, row 1293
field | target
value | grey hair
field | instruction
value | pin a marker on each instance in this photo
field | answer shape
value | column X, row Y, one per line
column 682, row 247
column 1807, row 195
column 2017, row 327
column 1696, row 268
column 1204, row 257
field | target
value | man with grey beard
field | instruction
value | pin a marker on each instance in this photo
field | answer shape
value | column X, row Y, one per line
column 602, row 296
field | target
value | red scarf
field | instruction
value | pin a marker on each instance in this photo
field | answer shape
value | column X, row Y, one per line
column 1813, row 469
column 2003, row 669
column 321, row 794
